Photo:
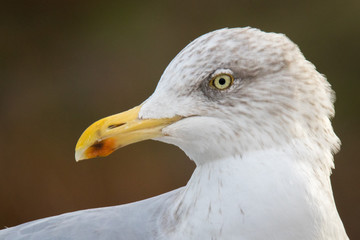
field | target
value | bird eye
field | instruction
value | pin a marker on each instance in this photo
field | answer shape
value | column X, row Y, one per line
column 222, row 81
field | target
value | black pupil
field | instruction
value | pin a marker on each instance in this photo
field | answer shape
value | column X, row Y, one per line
column 222, row 81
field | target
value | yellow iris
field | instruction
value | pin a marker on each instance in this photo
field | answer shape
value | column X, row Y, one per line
column 222, row 81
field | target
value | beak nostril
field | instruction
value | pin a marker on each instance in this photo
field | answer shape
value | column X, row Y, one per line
column 112, row 126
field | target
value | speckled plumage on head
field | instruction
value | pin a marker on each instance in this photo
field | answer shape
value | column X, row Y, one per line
column 277, row 92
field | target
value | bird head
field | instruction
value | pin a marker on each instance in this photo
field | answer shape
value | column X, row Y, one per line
column 228, row 92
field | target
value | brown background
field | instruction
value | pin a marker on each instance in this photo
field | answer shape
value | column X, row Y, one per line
column 65, row 64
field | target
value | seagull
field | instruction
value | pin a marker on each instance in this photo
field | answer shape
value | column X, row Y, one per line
column 254, row 115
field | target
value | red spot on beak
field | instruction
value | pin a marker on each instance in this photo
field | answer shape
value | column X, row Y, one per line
column 101, row 149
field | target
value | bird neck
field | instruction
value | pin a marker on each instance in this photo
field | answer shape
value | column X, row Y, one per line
column 259, row 190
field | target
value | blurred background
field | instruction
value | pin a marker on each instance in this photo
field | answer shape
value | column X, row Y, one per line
column 65, row 64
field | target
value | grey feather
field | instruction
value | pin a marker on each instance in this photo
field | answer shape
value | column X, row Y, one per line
column 138, row 220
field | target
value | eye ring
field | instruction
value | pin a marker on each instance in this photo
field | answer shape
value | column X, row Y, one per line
column 221, row 81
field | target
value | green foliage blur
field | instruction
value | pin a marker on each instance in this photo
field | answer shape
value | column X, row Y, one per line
column 65, row 64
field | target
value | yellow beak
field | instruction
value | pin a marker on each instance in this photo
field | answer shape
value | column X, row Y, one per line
column 108, row 134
